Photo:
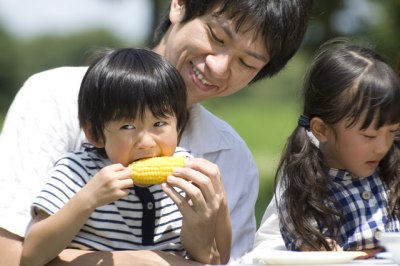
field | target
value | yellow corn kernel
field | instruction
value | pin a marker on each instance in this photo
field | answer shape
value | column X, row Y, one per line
column 155, row 170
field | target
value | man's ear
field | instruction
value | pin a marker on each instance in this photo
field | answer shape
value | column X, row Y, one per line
column 176, row 11
column 319, row 129
column 87, row 128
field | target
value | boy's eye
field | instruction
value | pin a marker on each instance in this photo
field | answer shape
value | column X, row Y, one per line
column 127, row 127
column 159, row 124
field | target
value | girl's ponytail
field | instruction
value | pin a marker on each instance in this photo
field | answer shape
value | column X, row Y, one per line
column 303, row 181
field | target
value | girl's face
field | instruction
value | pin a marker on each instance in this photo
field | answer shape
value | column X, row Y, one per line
column 127, row 141
column 358, row 151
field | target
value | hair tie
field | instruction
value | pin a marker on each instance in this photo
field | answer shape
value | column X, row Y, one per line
column 304, row 121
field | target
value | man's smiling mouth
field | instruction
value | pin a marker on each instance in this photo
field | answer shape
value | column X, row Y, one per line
column 200, row 76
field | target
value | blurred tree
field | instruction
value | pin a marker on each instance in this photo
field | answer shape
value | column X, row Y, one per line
column 160, row 6
column 9, row 58
column 370, row 22
column 21, row 59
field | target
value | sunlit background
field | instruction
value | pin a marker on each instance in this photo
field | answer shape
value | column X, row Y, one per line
column 44, row 34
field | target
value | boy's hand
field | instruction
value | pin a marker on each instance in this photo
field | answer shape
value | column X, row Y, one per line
column 206, row 194
column 108, row 185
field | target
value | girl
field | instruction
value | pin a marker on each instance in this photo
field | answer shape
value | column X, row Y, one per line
column 342, row 194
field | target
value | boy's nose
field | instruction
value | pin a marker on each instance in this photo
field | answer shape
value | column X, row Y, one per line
column 145, row 141
column 218, row 65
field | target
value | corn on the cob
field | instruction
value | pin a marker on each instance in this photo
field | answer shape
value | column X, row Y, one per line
column 155, row 170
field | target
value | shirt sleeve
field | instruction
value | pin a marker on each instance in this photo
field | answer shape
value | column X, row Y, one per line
column 268, row 236
column 241, row 186
column 40, row 126
column 68, row 177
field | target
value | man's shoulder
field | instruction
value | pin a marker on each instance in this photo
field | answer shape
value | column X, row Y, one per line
column 56, row 87
column 60, row 72
column 62, row 77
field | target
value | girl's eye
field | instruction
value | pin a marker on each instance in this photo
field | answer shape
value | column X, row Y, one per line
column 127, row 127
column 369, row 137
column 215, row 37
column 159, row 124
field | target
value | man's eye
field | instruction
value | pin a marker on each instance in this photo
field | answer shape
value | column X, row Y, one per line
column 159, row 124
column 215, row 37
column 244, row 64
column 127, row 127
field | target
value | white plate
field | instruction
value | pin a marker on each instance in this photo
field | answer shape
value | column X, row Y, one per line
column 278, row 257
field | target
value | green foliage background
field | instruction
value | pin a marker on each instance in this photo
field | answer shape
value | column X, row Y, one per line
column 264, row 114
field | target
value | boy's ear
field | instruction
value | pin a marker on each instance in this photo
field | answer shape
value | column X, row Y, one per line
column 176, row 11
column 87, row 128
column 319, row 129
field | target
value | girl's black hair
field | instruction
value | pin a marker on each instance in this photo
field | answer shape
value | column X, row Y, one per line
column 281, row 23
column 342, row 83
column 124, row 83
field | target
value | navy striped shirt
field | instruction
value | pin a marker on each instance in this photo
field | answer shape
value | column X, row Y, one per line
column 364, row 202
column 146, row 219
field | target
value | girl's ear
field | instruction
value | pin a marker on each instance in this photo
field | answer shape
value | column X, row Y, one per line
column 176, row 11
column 319, row 129
column 87, row 128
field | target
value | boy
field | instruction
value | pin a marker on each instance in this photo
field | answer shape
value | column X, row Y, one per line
column 132, row 104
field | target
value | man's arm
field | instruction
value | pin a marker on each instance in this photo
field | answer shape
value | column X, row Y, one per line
column 41, row 125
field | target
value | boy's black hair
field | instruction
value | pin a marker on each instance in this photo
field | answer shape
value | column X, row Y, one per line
column 281, row 23
column 124, row 83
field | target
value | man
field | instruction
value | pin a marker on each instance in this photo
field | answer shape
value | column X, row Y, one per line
column 218, row 48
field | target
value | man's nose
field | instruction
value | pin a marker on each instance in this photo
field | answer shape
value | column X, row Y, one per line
column 219, row 65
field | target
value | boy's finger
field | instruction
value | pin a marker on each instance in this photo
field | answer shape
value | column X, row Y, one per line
column 198, row 200
column 176, row 197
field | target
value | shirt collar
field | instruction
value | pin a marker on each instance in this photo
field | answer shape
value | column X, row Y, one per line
column 340, row 174
column 202, row 134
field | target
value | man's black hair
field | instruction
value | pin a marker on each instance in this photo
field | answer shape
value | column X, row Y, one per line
column 281, row 23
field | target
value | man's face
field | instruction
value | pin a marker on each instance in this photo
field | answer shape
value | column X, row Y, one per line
column 212, row 58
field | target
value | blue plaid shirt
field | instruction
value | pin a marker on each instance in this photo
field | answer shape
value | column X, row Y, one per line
column 364, row 202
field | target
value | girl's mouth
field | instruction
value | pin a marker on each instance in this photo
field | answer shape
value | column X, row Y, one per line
column 373, row 163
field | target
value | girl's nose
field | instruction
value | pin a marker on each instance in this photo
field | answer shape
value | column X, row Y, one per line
column 383, row 145
column 218, row 65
